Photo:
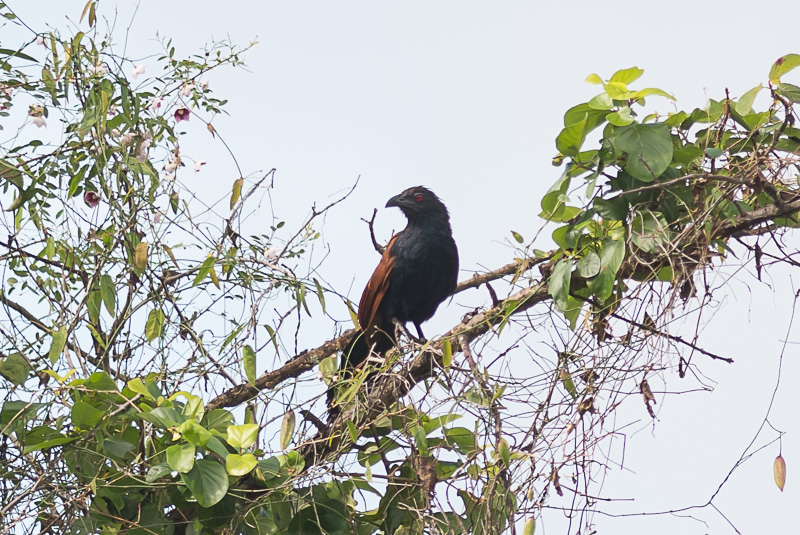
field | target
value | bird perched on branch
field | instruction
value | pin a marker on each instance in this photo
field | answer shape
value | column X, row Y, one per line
column 418, row 270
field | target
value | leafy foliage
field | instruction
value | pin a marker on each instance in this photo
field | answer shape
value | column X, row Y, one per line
column 132, row 396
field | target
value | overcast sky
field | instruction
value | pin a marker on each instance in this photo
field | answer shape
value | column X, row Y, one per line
column 467, row 97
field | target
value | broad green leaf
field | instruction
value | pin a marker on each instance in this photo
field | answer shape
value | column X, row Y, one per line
column 649, row 148
column 601, row 102
column 180, row 457
column 57, row 346
column 745, row 103
column 287, row 429
column 207, row 481
column 242, row 436
column 594, row 79
column 84, row 416
column 782, row 66
column 138, row 386
column 602, row 285
column 156, row 471
column 239, row 465
column 612, row 254
column 790, row 91
column 558, row 286
column 164, row 417
column 622, row 117
column 249, row 363
column 15, row 368
column 627, row 76
column 588, row 265
column 154, row 328
column 614, row 209
column 195, row 433
column 713, row 152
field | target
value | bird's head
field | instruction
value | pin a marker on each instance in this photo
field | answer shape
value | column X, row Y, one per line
column 419, row 204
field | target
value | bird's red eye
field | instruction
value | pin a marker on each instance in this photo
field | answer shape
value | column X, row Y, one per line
column 418, row 197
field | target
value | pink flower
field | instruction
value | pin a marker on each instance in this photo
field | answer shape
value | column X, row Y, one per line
column 271, row 253
column 40, row 40
column 38, row 121
column 101, row 69
column 126, row 139
column 169, row 177
column 171, row 165
column 137, row 70
column 186, row 90
column 156, row 103
column 198, row 165
column 91, row 198
column 203, row 85
column 182, row 114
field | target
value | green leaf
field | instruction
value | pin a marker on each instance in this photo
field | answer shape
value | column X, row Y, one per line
column 154, row 328
column 614, row 209
column 622, row 117
column 249, row 362
column 558, row 286
column 287, row 429
column 421, row 439
column 517, row 236
column 447, row 354
column 594, row 79
column 790, row 91
column 569, row 384
column 242, row 436
column 627, row 76
column 207, row 481
column 320, row 295
column 84, row 416
column 530, row 526
column 612, row 254
column 782, row 66
column 108, row 293
column 602, row 285
column 589, row 265
column 195, row 433
column 504, row 451
column 93, row 303
column 237, row 192
column 239, row 465
column 204, row 270
column 15, row 368
column 745, row 103
column 156, row 471
column 180, row 457
column 713, row 152
column 57, row 346
column 642, row 93
column 601, row 102
column 649, row 148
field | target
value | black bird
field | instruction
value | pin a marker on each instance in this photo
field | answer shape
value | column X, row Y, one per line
column 418, row 270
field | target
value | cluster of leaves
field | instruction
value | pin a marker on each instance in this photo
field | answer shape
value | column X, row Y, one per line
column 662, row 191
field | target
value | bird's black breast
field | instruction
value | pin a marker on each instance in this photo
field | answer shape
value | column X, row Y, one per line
column 425, row 273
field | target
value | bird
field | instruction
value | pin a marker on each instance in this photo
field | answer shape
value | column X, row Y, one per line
column 418, row 271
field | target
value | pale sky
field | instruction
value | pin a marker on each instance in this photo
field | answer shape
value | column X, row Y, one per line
column 467, row 97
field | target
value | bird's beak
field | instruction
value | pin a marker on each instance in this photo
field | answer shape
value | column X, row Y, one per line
column 394, row 201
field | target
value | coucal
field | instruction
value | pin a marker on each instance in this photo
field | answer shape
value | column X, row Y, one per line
column 418, row 270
